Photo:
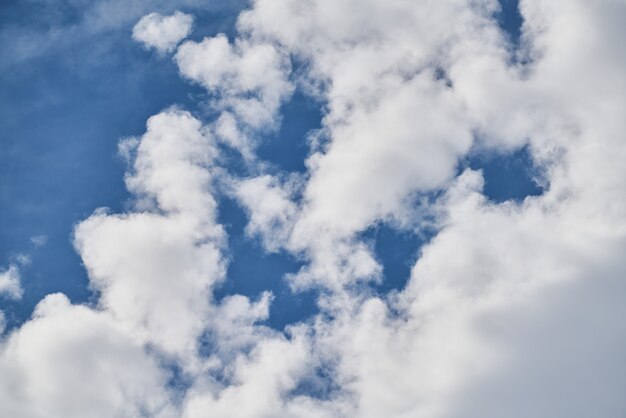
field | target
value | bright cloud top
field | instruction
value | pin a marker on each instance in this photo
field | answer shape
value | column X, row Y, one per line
column 163, row 33
column 512, row 309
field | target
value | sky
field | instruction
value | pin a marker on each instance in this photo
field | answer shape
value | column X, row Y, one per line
column 333, row 208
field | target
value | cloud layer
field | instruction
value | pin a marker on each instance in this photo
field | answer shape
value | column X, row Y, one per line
column 513, row 309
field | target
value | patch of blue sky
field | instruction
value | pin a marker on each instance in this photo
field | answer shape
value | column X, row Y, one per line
column 288, row 150
column 510, row 20
column 508, row 176
column 397, row 251
column 252, row 270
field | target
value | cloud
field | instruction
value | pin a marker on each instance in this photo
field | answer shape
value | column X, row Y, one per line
column 39, row 240
column 155, row 268
column 162, row 33
column 61, row 343
column 512, row 306
column 249, row 78
column 10, row 285
column 270, row 207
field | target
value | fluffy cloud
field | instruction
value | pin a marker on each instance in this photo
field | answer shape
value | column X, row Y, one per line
column 71, row 361
column 162, row 33
column 512, row 309
column 155, row 268
column 270, row 207
column 10, row 285
column 249, row 79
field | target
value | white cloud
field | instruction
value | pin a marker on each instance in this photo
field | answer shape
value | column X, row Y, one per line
column 10, row 285
column 23, row 259
column 260, row 381
column 249, row 78
column 72, row 361
column 270, row 207
column 162, row 33
column 39, row 240
column 378, row 78
column 155, row 268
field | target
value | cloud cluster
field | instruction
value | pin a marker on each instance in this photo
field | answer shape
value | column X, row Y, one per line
column 513, row 309
column 249, row 80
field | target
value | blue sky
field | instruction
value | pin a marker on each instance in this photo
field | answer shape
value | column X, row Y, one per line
column 398, row 209
column 64, row 110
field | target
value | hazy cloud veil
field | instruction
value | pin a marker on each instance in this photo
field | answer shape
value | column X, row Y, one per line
column 513, row 309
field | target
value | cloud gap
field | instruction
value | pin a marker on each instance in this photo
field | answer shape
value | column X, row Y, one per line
column 508, row 176
column 397, row 250
column 288, row 149
column 510, row 21
column 252, row 270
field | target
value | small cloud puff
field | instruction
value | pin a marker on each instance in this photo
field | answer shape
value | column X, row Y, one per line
column 39, row 240
column 162, row 33
column 10, row 282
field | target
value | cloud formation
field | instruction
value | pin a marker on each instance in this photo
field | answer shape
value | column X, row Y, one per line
column 162, row 33
column 512, row 308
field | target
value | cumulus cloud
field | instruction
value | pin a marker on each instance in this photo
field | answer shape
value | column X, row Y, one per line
column 155, row 268
column 162, row 33
column 250, row 80
column 60, row 343
column 512, row 308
